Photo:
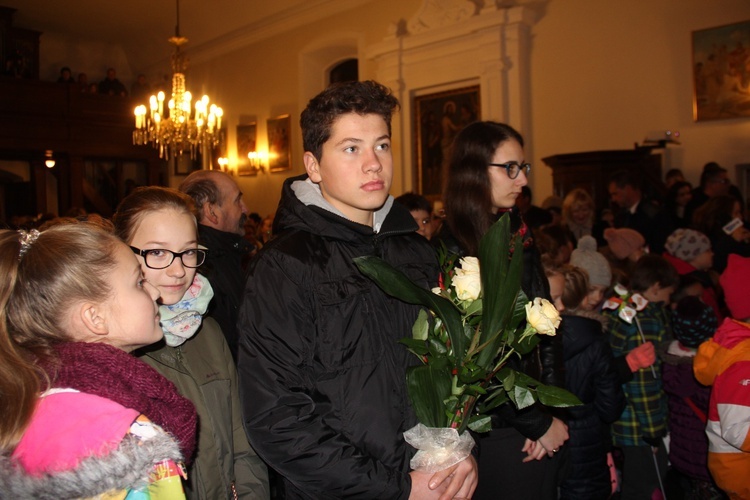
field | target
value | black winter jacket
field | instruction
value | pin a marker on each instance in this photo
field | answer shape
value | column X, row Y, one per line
column 590, row 375
column 223, row 268
column 322, row 375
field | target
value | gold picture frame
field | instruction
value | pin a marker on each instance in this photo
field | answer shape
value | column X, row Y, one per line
column 279, row 143
column 247, row 140
column 437, row 119
column 721, row 72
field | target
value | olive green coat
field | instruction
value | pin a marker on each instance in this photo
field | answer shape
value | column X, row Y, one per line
column 203, row 371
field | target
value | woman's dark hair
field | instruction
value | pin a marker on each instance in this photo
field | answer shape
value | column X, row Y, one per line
column 714, row 214
column 673, row 191
column 468, row 193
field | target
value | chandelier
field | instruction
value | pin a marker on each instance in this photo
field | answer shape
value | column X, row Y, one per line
column 179, row 130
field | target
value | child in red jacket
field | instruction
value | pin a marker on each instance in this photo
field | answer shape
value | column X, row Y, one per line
column 724, row 362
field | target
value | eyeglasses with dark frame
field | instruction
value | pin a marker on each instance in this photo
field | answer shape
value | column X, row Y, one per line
column 513, row 168
column 159, row 258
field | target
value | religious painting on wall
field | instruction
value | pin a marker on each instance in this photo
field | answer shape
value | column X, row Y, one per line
column 437, row 119
column 721, row 72
column 246, row 143
column 279, row 151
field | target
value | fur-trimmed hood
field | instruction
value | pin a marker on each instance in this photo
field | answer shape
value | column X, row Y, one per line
column 126, row 467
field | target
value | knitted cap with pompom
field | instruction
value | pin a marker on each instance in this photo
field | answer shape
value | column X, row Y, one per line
column 595, row 264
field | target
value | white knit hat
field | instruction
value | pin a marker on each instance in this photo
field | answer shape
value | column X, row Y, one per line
column 595, row 264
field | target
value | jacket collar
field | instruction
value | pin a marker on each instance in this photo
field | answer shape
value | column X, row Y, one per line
column 218, row 241
column 303, row 207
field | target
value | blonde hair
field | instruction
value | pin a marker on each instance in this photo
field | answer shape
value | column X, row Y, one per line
column 576, row 198
column 65, row 265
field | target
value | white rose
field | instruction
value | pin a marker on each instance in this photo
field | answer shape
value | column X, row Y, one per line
column 467, row 282
column 437, row 290
column 542, row 316
column 469, row 265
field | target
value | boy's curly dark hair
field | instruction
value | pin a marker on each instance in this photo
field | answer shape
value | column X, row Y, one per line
column 363, row 98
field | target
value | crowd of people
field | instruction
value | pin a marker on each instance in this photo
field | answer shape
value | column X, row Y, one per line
column 109, row 85
column 190, row 349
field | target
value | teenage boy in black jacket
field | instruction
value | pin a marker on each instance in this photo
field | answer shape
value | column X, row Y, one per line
column 322, row 376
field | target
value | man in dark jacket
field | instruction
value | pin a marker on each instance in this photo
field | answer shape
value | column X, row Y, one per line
column 638, row 213
column 221, row 227
column 322, row 375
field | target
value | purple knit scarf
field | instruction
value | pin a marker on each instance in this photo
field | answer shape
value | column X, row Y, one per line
column 112, row 373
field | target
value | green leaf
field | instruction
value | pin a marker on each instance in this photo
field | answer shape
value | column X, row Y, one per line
column 474, row 308
column 526, row 345
column 436, row 347
column 501, row 281
column 480, row 423
column 507, row 377
column 428, row 387
column 421, row 327
column 418, row 347
column 496, row 397
column 523, row 397
column 550, row 395
column 469, row 375
column 397, row 284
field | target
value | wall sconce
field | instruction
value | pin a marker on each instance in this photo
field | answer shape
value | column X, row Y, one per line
column 223, row 162
column 48, row 159
column 258, row 160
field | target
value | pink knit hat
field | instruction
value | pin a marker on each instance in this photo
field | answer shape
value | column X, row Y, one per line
column 734, row 281
column 623, row 242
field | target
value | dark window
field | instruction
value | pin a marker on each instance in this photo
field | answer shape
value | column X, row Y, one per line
column 345, row 71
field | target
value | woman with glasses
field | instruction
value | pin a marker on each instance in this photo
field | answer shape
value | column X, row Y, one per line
column 160, row 227
column 519, row 458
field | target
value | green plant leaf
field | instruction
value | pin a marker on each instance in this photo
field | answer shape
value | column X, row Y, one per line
column 421, row 328
column 549, row 395
column 418, row 347
column 397, row 284
column 526, row 345
column 480, row 423
column 474, row 308
column 497, row 396
column 436, row 347
column 428, row 387
column 501, row 281
column 523, row 397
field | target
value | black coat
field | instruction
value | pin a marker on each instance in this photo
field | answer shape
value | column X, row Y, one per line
column 322, row 375
column 651, row 221
column 590, row 375
column 223, row 268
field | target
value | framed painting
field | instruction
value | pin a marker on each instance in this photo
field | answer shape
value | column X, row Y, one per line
column 183, row 164
column 247, row 135
column 279, row 151
column 219, row 150
column 721, row 72
column 437, row 119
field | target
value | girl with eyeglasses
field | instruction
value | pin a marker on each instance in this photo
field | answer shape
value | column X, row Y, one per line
column 160, row 227
column 519, row 458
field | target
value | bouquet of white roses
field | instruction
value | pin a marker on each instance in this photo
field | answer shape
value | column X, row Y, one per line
column 474, row 325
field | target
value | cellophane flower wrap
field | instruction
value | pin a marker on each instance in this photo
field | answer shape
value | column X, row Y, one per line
column 472, row 324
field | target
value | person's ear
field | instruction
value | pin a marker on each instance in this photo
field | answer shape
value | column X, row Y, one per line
column 312, row 166
column 94, row 318
column 209, row 213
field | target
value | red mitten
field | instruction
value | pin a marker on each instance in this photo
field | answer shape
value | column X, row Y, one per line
column 642, row 356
